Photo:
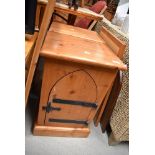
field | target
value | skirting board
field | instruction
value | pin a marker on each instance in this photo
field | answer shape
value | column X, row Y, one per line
column 60, row 131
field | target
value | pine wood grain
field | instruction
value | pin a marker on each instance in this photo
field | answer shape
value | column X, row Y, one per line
column 55, row 70
column 44, row 26
column 117, row 46
column 75, row 68
column 75, row 31
column 80, row 50
column 29, row 44
column 60, row 131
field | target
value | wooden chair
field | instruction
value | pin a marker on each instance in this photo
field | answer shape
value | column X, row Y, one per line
column 99, row 7
column 40, row 39
column 94, row 22
column 29, row 48
column 118, row 47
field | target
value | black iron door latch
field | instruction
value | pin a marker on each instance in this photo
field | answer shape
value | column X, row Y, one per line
column 49, row 108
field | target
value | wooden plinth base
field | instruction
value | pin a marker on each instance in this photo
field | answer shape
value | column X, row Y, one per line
column 60, row 131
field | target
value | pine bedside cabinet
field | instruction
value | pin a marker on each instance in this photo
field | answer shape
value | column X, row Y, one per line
column 79, row 68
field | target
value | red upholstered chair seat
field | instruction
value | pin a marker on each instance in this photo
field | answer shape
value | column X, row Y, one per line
column 97, row 8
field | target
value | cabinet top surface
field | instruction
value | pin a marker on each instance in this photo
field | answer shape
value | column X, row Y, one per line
column 69, row 43
column 75, row 31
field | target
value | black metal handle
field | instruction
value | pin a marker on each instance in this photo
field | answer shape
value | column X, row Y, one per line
column 68, row 121
column 73, row 102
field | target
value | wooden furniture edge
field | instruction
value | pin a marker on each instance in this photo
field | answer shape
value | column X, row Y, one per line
column 44, row 26
column 81, row 14
column 43, row 2
column 123, row 67
column 111, row 102
column 46, row 1
column 102, row 107
column 78, row 28
column 29, row 41
column 60, row 131
column 115, row 40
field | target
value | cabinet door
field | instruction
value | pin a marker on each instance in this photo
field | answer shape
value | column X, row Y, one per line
column 71, row 100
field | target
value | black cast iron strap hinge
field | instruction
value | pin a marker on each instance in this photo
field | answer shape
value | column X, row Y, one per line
column 81, row 103
column 68, row 121
column 49, row 108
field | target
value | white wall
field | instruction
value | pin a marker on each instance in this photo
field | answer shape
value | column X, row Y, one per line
column 121, row 18
column 123, row 7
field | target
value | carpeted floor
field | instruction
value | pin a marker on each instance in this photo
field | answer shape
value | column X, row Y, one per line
column 95, row 144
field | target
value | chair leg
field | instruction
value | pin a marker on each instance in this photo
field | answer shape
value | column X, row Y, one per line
column 71, row 19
